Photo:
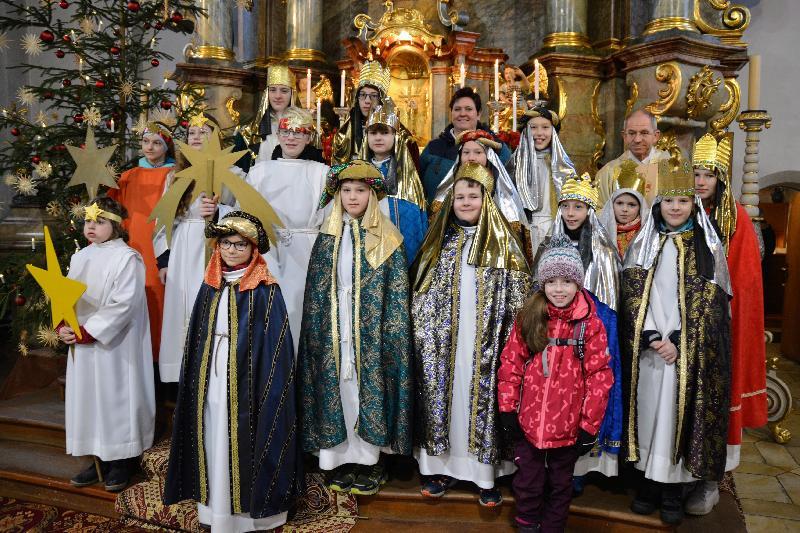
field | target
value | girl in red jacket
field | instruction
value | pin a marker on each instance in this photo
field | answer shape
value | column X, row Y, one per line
column 553, row 386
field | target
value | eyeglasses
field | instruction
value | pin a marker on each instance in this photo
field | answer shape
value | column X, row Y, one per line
column 374, row 98
column 292, row 134
column 240, row 246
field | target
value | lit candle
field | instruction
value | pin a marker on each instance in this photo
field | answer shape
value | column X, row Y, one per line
column 535, row 79
column 341, row 89
column 319, row 117
column 496, row 83
column 754, row 83
column 514, row 112
column 111, row 126
column 33, row 244
column 308, row 89
column 2, row 278
column 463, row 75
column 164, row 84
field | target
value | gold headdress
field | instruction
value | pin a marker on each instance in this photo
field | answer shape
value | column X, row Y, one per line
column 580, row 188
column 627, row 177
column 710, row 154
column 479, row 136
column 476, row 172
column 93, row 211
column 372, row 73
column 385, row 113
column 296, row 118
column 280, row 75
column 675, row 178
column 199, row 120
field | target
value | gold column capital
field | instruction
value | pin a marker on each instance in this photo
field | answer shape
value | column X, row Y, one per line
column 208, row 51
column 669, row 23
column 304, row 54
column 566, row 38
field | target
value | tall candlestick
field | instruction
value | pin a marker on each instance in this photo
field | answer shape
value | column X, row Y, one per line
column 496, row 81
column 535, row 79
column 514, row 112
column 754, row 83
column 319, row 117
column 341, row 89
column 463, row 75
column 308, row 89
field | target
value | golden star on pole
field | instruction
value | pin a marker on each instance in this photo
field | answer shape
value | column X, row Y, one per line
column 63, row 292
column 91, row 170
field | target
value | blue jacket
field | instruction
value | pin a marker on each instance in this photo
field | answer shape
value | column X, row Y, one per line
column 611, row 428
column 438, row 157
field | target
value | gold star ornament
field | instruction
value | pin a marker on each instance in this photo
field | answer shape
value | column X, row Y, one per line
column 91, row 165
column 63, row 292
column 209, row 171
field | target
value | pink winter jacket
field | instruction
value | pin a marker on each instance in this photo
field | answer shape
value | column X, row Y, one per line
column 555, row 398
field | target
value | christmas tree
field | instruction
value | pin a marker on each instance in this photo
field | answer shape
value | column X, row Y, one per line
column 93, row 97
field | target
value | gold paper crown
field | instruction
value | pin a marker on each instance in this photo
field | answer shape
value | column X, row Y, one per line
column 675, row 178
column 710, row 155
column 372, row 73
column 280, row 75
column 296, row 118
column 359, row 170
column 628, row 178
column 476, row 172
column 580, row 188
column 385, row 113
column 199, row 120
column 93, row 211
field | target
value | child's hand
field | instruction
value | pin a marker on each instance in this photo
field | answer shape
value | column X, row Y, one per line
column 667, row 350
column 208, row 206
column 162, row 275
column 67, row 335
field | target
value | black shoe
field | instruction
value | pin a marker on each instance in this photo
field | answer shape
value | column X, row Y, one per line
column 646, row 498
column 672, row 504
column 86, row 478
column 369, row 480
column 118, row 475
column 341, row 478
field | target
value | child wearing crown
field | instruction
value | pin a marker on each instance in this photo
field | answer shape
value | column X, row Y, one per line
column 627, row 209
column 355, row 343
column 676, row 338
column 109, row 397
column 469, row 279
column 387, row 149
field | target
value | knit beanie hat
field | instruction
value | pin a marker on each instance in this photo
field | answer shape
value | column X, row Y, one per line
column 560, row 260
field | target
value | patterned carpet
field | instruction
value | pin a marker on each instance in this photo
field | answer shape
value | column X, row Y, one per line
column 19, row 516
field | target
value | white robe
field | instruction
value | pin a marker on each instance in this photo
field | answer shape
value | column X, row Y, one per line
column 217, row 513
column 658, row 381
column 185, row 272
column 354, row 450
column 541, row 220
column 457, row 461
column 268, row 145
column 110, row 397
column 293, row 188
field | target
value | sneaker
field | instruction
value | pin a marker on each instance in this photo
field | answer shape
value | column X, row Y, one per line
column 118, row 475
column 647, row 497
column 703, row 499
column 342, row 477
column 369, row 480
column 578, row 484
column 86, row 477
column 490, row 498
column 437, row 486
column 672, row 504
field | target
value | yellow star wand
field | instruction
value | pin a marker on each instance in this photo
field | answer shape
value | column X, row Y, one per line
column 63, row 292
column 209, row 171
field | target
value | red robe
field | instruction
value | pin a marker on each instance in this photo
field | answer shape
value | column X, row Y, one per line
column 749, row 370
column 139, row 191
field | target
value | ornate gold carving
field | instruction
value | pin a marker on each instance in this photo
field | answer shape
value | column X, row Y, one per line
column 669, row 73
column 702, row 87
column 669, row 23
column 303, row 54
column 598, row 128
column 669, row 143
column 231, row 109
column 396, row 25
column 207, row 51
column 754, row 120
column 632, row 98
column 323, row 89
column 566, row 38
column 562, row 99
column 729, row 109
column 735, row 19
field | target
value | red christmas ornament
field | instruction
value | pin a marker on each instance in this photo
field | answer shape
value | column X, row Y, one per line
column 133, row 6
column 78, row 117
column 59, row 148
column 60, row 54
column 176, row 17
column 159, row 25
column 19, row 300
column 48, row 95
column 36, row 159
column 154, row 62
column 66, row 82
column 166, row 104
column 184, row 123
column 114, row 50
column 47, row 36
column 63, row 4
column 100, row 84
column 66, row 38
column 15, row 132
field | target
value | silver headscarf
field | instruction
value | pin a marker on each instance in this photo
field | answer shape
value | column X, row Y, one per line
column 601, row 276
column 607, row 217
column 505, row 194
column 645, row 247
column 530, row 184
